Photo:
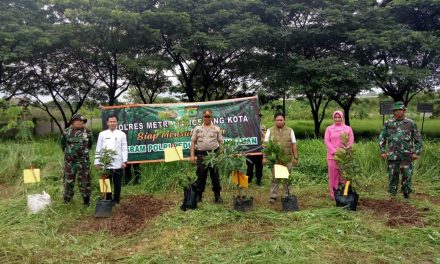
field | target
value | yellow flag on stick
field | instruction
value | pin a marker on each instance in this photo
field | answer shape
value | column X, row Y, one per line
column 31, row 175
column 281, row 172
column 105, row 186
column 240, row 179
column 173, row 154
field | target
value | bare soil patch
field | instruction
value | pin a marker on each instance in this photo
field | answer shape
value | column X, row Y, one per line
column 132, row 215
column 396, row 213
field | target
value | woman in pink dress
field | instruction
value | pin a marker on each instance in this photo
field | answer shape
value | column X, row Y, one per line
column 333, row 141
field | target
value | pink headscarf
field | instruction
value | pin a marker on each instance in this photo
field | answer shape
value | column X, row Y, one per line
column 340, row 114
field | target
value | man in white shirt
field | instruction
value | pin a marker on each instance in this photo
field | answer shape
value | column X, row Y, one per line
column 114, row 139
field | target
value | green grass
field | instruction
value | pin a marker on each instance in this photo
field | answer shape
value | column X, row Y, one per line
column 366, row 128
column 365, row 118
column 319, row 233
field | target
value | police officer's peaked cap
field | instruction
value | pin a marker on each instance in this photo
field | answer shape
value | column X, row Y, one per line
column 399, row 105
column 207, row 112
column 79, row 117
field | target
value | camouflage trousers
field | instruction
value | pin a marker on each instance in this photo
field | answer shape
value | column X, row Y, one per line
column 81, row 169
column 395, row 168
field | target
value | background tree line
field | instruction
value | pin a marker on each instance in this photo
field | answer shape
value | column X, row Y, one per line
column 79, row 51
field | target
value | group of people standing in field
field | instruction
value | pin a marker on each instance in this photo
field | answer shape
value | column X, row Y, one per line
column 76, row 143
column 400, row 144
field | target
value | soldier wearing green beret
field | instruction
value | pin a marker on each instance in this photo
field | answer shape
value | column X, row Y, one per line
column 400, row 144
column 76, row 142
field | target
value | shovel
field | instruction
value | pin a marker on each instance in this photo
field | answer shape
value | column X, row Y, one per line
column 104, row 208
column 290, row 202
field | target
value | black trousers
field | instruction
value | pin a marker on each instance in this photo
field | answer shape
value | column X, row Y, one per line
column 115, row 176
column 202, row 175
column 257, row 162
column 128, row 173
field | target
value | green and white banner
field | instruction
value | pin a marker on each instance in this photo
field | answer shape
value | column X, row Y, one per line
column 151, row 128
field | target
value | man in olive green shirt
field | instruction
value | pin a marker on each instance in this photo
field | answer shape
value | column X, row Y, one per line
column 286, row 138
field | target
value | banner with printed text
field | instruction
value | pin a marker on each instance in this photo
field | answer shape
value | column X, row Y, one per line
column 154, row 127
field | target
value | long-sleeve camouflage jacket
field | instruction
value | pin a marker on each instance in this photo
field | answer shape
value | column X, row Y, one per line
column 400, row 139
column 76, row 143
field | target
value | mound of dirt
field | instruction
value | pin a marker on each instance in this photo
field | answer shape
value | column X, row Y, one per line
column 396, row 213
column 132, row 215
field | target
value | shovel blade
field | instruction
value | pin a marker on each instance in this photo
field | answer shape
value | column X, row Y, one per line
column 103, row 208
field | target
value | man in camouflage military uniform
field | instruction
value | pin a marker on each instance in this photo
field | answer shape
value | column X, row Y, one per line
column 76, row 142
column 405, row 144
column 205, row 138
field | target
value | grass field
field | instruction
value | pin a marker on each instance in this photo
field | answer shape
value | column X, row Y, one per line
column 318, row 233
column 367, row 129
column 365, row 118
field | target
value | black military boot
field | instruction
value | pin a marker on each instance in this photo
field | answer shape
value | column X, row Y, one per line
column 199, row 197
column 217, row 198
column 86, row 200
column 66, row 200
column 406, row 195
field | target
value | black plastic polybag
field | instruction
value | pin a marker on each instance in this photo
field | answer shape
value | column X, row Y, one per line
column 349, row 201
column 189, row 197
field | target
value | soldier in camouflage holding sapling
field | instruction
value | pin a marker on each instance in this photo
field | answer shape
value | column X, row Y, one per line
column 76, row 142
column 400, row 144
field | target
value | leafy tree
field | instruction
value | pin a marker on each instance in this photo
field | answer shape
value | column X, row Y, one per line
column 58, row 75
column 106, row 32
column 21, row 35
column 312, row 77
column 204, row 39
column 310, row 52
column 401, row 54
column 315, row 40
column 148, row 78
column 13, row 117
column 346, row 81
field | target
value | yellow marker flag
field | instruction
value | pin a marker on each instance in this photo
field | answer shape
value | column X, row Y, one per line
column 243, row 180
column 346, row 188
column 173, row 153
column 107, row 188
column 240, row 179
column 31, row 175
column 281, row 172
column 234, row 176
